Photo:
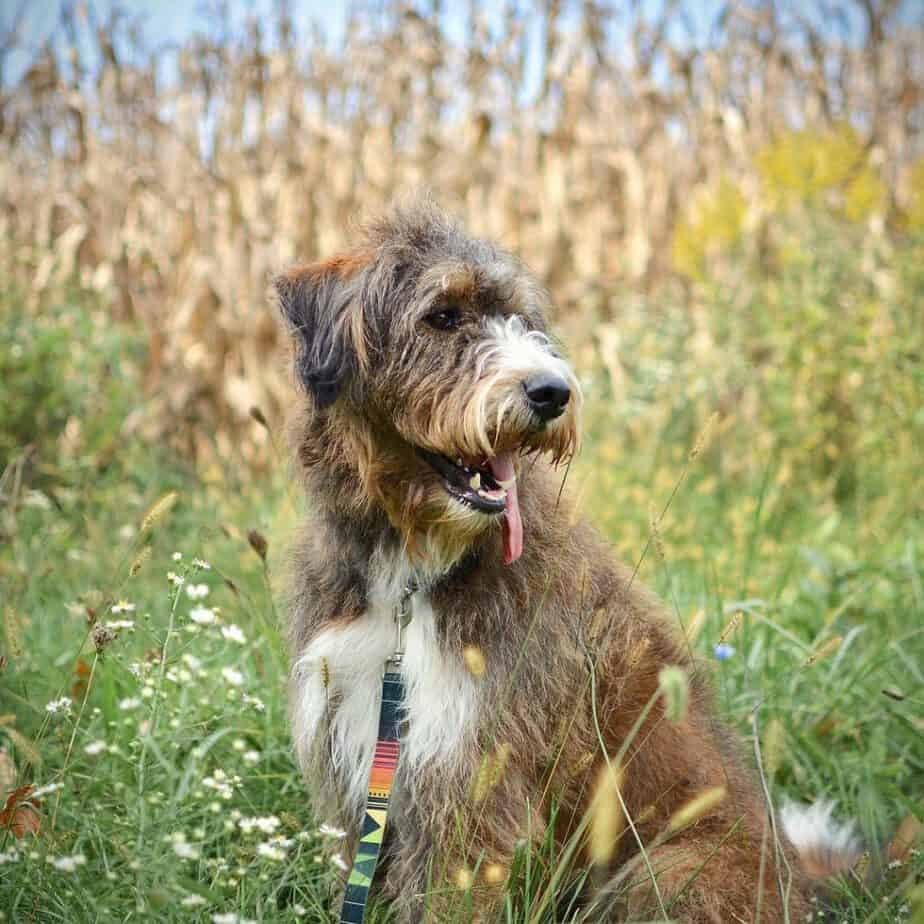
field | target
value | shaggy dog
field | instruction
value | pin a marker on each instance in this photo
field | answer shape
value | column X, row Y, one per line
column 437, row 409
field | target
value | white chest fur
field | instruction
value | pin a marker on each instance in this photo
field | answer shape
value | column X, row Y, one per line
column 441, row 700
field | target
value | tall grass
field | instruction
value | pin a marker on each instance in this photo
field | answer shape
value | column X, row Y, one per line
column 142, row 686
column 609, row 146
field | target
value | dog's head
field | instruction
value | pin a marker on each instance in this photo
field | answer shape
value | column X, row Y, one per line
column 425, row 357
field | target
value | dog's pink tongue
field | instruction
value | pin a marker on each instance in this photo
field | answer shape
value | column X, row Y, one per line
column 502, row 470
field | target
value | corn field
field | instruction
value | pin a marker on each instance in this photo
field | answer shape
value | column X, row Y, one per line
column 174, row 183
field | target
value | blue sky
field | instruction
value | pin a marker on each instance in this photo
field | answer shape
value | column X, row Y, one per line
column 166, row 22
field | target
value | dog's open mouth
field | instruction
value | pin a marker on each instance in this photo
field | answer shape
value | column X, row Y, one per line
column 488, row 486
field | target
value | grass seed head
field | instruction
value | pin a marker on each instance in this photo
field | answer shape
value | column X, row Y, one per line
column 463, row 878
column 829, row 647
column 774, row 746
column 697, row 808
column 731, row 627
column 258, row 543
column 495, row 873
column 674, row 686
column 139, row 561
column 158, row 510
column 704, row 437
column 474, row 660
column 607, row 819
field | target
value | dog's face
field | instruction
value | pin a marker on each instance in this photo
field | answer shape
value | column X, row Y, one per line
column 432, row 346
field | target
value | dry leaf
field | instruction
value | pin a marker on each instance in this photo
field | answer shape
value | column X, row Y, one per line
column 19, row 815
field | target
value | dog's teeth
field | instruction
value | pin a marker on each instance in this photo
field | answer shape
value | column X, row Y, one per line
column 508, row 483
column 475, row 481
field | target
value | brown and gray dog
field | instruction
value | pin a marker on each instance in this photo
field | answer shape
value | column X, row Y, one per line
column 437, row 409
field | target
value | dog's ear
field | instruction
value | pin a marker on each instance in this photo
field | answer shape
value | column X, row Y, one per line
column 317, row 301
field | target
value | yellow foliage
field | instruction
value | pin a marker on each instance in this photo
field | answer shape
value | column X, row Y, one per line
column 830, row 168
column 914, row 218
column 715, row 224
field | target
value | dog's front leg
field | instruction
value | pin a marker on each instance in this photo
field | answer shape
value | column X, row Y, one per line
column 451, row 843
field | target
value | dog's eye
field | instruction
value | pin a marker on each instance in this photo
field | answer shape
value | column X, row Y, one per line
column 446, row 318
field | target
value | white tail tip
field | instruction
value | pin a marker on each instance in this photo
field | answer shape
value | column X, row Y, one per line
column 825, row 845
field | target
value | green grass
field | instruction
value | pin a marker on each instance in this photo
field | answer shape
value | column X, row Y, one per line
column 176, row 732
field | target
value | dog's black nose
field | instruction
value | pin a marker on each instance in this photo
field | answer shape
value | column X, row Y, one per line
column 547, row 395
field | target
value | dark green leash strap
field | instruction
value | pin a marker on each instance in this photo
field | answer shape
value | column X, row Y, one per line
column 382, row 776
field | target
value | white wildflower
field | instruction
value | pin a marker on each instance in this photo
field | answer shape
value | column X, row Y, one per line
column 177, row 556
column 197, row 591
column 116, row 624
column 129, row 703
column 266, row 824
column 202, row 615
column 201, row 564
column 221, row 783
column 251, row 757
column 233, row 633
column 45, row 790
column 176, row 579
column 254, row 701
column 232, row 676
column 339, row 862
column 123, row 606
column 331, row 831
column 95, row 747
column 182, row 848
column 231, row 918
column 59, row 705
column 11, row 856
column 192, row 662
column 68, row 864
column 271, row 851
column 192, row 900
